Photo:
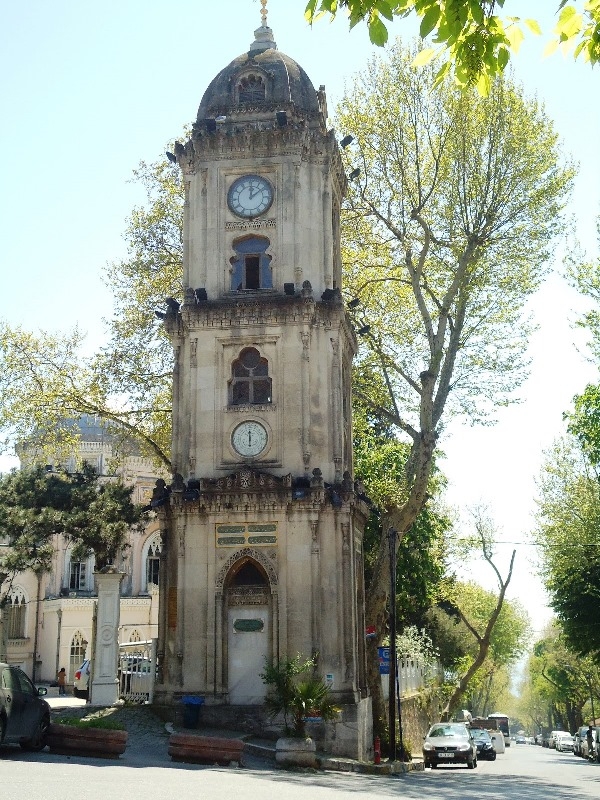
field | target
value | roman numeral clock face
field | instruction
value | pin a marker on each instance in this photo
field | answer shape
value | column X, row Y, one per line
column 250, row 196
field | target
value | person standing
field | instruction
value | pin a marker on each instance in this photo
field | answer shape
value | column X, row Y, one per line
column 590, row 743
column 62, row 680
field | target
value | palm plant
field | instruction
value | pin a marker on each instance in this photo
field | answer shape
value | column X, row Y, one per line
column 296, row 698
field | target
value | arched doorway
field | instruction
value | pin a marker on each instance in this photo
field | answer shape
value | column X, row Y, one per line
column 249, row 630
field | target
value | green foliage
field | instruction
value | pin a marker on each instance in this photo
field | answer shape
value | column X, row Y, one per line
column 101, row 723
column 36, row 505
column 46, row 379
column 296, row 694
column 474, row 43
column 568, row 522
column 558, row 683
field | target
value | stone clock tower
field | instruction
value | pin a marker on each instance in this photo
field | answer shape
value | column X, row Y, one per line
column 262, row 524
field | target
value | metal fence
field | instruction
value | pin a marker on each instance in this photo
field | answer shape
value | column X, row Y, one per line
column 413, row 675
column 137, row 671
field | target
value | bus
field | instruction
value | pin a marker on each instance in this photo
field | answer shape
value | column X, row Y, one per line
column 502, row 724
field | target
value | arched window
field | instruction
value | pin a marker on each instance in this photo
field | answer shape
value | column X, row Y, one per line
column 250, row 382
column 251, row 89
column 153, row 561
column 251, row 266
column 15, row 612
column 135, row 636
column 76, row 653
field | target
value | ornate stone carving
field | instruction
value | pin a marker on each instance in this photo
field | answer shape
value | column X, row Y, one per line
column 247, row 552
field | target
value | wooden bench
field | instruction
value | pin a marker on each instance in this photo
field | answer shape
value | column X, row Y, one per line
column 205, row 749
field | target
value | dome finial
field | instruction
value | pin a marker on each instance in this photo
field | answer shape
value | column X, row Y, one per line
column 263, row 36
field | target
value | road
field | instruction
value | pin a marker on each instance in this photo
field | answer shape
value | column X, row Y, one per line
column 524, row 773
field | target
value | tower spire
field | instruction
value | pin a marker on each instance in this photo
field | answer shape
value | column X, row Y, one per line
column 263, row 36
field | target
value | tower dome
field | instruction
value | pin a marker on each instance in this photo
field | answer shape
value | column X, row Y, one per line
column 262, row 79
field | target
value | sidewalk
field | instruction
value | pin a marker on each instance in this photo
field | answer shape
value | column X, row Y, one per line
column 149, row 735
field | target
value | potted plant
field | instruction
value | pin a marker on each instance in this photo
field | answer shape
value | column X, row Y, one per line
column 298, row 696
column 100, row 737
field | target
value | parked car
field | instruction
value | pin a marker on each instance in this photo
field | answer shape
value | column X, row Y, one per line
column 595, row 745
column 484, row 744
column 552, row 738
column 449, row 743
column 24, row 714
column 578, row 739
column 564, row 742
column 81, row 681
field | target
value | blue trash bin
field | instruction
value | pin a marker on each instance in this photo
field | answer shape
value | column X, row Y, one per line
column 191, row 710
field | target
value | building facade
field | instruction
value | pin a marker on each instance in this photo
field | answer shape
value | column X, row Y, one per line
column 262, row 525
column 49, row 620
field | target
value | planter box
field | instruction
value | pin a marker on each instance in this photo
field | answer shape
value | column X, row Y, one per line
column 204, row 749
column 290, row 752
column 95, row 742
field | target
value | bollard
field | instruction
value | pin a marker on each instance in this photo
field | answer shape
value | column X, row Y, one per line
column 377, row 754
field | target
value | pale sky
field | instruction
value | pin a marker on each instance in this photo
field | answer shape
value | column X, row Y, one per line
column 90, row 89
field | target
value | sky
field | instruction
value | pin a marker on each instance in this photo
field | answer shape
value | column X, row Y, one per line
column 91, row 89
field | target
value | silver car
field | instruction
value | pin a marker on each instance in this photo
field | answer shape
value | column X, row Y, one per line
column 449, row 743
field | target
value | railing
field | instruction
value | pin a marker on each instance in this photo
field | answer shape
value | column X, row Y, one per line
column 414, row 674
column 137, row 670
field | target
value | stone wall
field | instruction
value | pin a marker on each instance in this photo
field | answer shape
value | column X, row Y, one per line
column 419, row 711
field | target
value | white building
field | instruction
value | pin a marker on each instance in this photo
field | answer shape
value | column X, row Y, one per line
column 49, row 621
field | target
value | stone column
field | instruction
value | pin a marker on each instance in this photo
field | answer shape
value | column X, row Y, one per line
column 105, row 683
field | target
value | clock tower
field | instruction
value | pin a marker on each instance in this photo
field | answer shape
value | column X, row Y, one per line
column 263, row 522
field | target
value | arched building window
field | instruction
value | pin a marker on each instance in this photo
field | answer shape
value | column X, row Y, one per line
column 76, row 653
column 15, row 614
column 135, row 636
column 151, row 562
column 250, row 383
column 251, row 89
column 251, row 266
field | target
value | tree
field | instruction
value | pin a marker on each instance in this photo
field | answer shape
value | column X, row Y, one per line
column 46, row 379
column 558, row 683
column 94, row 514
column 476, row 42
column 498, row 629
column 568, row 521
column 445, row 235
column 35, row 505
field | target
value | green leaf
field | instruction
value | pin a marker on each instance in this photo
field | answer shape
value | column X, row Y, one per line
column 429, row 21
column 503, row 57
column 384, row 8
column 378, row 33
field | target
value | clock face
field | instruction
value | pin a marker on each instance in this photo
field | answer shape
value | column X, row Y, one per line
column 249, row 439
column 250, row 196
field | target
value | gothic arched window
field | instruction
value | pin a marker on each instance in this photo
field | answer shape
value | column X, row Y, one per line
column 250, row 382
column 251, row 266
column 251, row 89
column 153, row 561
column 76, row 653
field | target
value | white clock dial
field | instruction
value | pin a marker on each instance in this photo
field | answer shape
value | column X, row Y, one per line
column 249, row 439
column 250, row 196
